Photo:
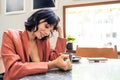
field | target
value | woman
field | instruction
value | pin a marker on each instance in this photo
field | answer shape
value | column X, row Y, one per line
column 29, row 52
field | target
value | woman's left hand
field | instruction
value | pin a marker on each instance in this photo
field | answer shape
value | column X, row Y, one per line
column 63, row 62
column 60, row 31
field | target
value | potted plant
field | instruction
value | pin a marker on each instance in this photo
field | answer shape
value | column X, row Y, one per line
column 70, row 40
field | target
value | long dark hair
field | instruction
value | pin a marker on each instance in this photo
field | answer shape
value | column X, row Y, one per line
column 44, row 14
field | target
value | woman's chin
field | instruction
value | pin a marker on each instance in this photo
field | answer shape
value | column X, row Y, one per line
column 39, row 37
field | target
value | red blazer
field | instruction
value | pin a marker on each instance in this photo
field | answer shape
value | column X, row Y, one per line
column 16, row 57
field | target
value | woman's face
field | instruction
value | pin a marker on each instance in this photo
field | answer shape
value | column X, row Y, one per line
column 44, row 29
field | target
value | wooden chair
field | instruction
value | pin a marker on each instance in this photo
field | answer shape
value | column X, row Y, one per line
column 110, row 52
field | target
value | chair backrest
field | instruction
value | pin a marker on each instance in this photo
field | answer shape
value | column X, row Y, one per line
column 108, row 52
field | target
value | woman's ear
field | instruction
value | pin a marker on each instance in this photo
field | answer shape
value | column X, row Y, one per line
column 35, row 29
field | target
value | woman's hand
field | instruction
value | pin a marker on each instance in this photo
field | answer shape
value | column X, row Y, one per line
column 60, row 31
column 62, row 62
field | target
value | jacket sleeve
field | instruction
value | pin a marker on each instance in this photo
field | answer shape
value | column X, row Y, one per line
column 60, row 48
column 14, row 67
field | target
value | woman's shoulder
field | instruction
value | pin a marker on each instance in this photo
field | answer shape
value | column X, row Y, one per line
column 12, row 31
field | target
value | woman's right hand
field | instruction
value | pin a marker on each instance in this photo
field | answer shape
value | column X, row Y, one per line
column 63, row 62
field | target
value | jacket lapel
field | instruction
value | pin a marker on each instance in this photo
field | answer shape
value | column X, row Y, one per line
column 25, row 44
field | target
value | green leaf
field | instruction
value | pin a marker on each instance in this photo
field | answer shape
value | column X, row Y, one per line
column 70, row 38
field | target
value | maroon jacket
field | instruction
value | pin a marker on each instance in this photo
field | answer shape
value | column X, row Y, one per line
column 16, row 57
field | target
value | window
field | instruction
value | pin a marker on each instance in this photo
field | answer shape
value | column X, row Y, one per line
column 93, row 24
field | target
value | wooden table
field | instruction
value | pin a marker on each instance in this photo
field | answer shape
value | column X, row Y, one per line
column 84, row 70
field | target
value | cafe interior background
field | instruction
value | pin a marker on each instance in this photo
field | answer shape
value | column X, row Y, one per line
column 16, row 20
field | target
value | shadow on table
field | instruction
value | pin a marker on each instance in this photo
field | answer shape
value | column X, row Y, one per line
column 54, row 74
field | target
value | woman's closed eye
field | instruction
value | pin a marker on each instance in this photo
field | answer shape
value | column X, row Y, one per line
column 47, row 26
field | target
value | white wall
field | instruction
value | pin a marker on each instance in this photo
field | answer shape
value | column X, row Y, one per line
column 16, row 21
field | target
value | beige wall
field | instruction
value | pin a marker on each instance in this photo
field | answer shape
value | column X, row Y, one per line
column 16, row 21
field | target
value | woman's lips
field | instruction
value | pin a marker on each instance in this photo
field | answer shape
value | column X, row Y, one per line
column 42, row 35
